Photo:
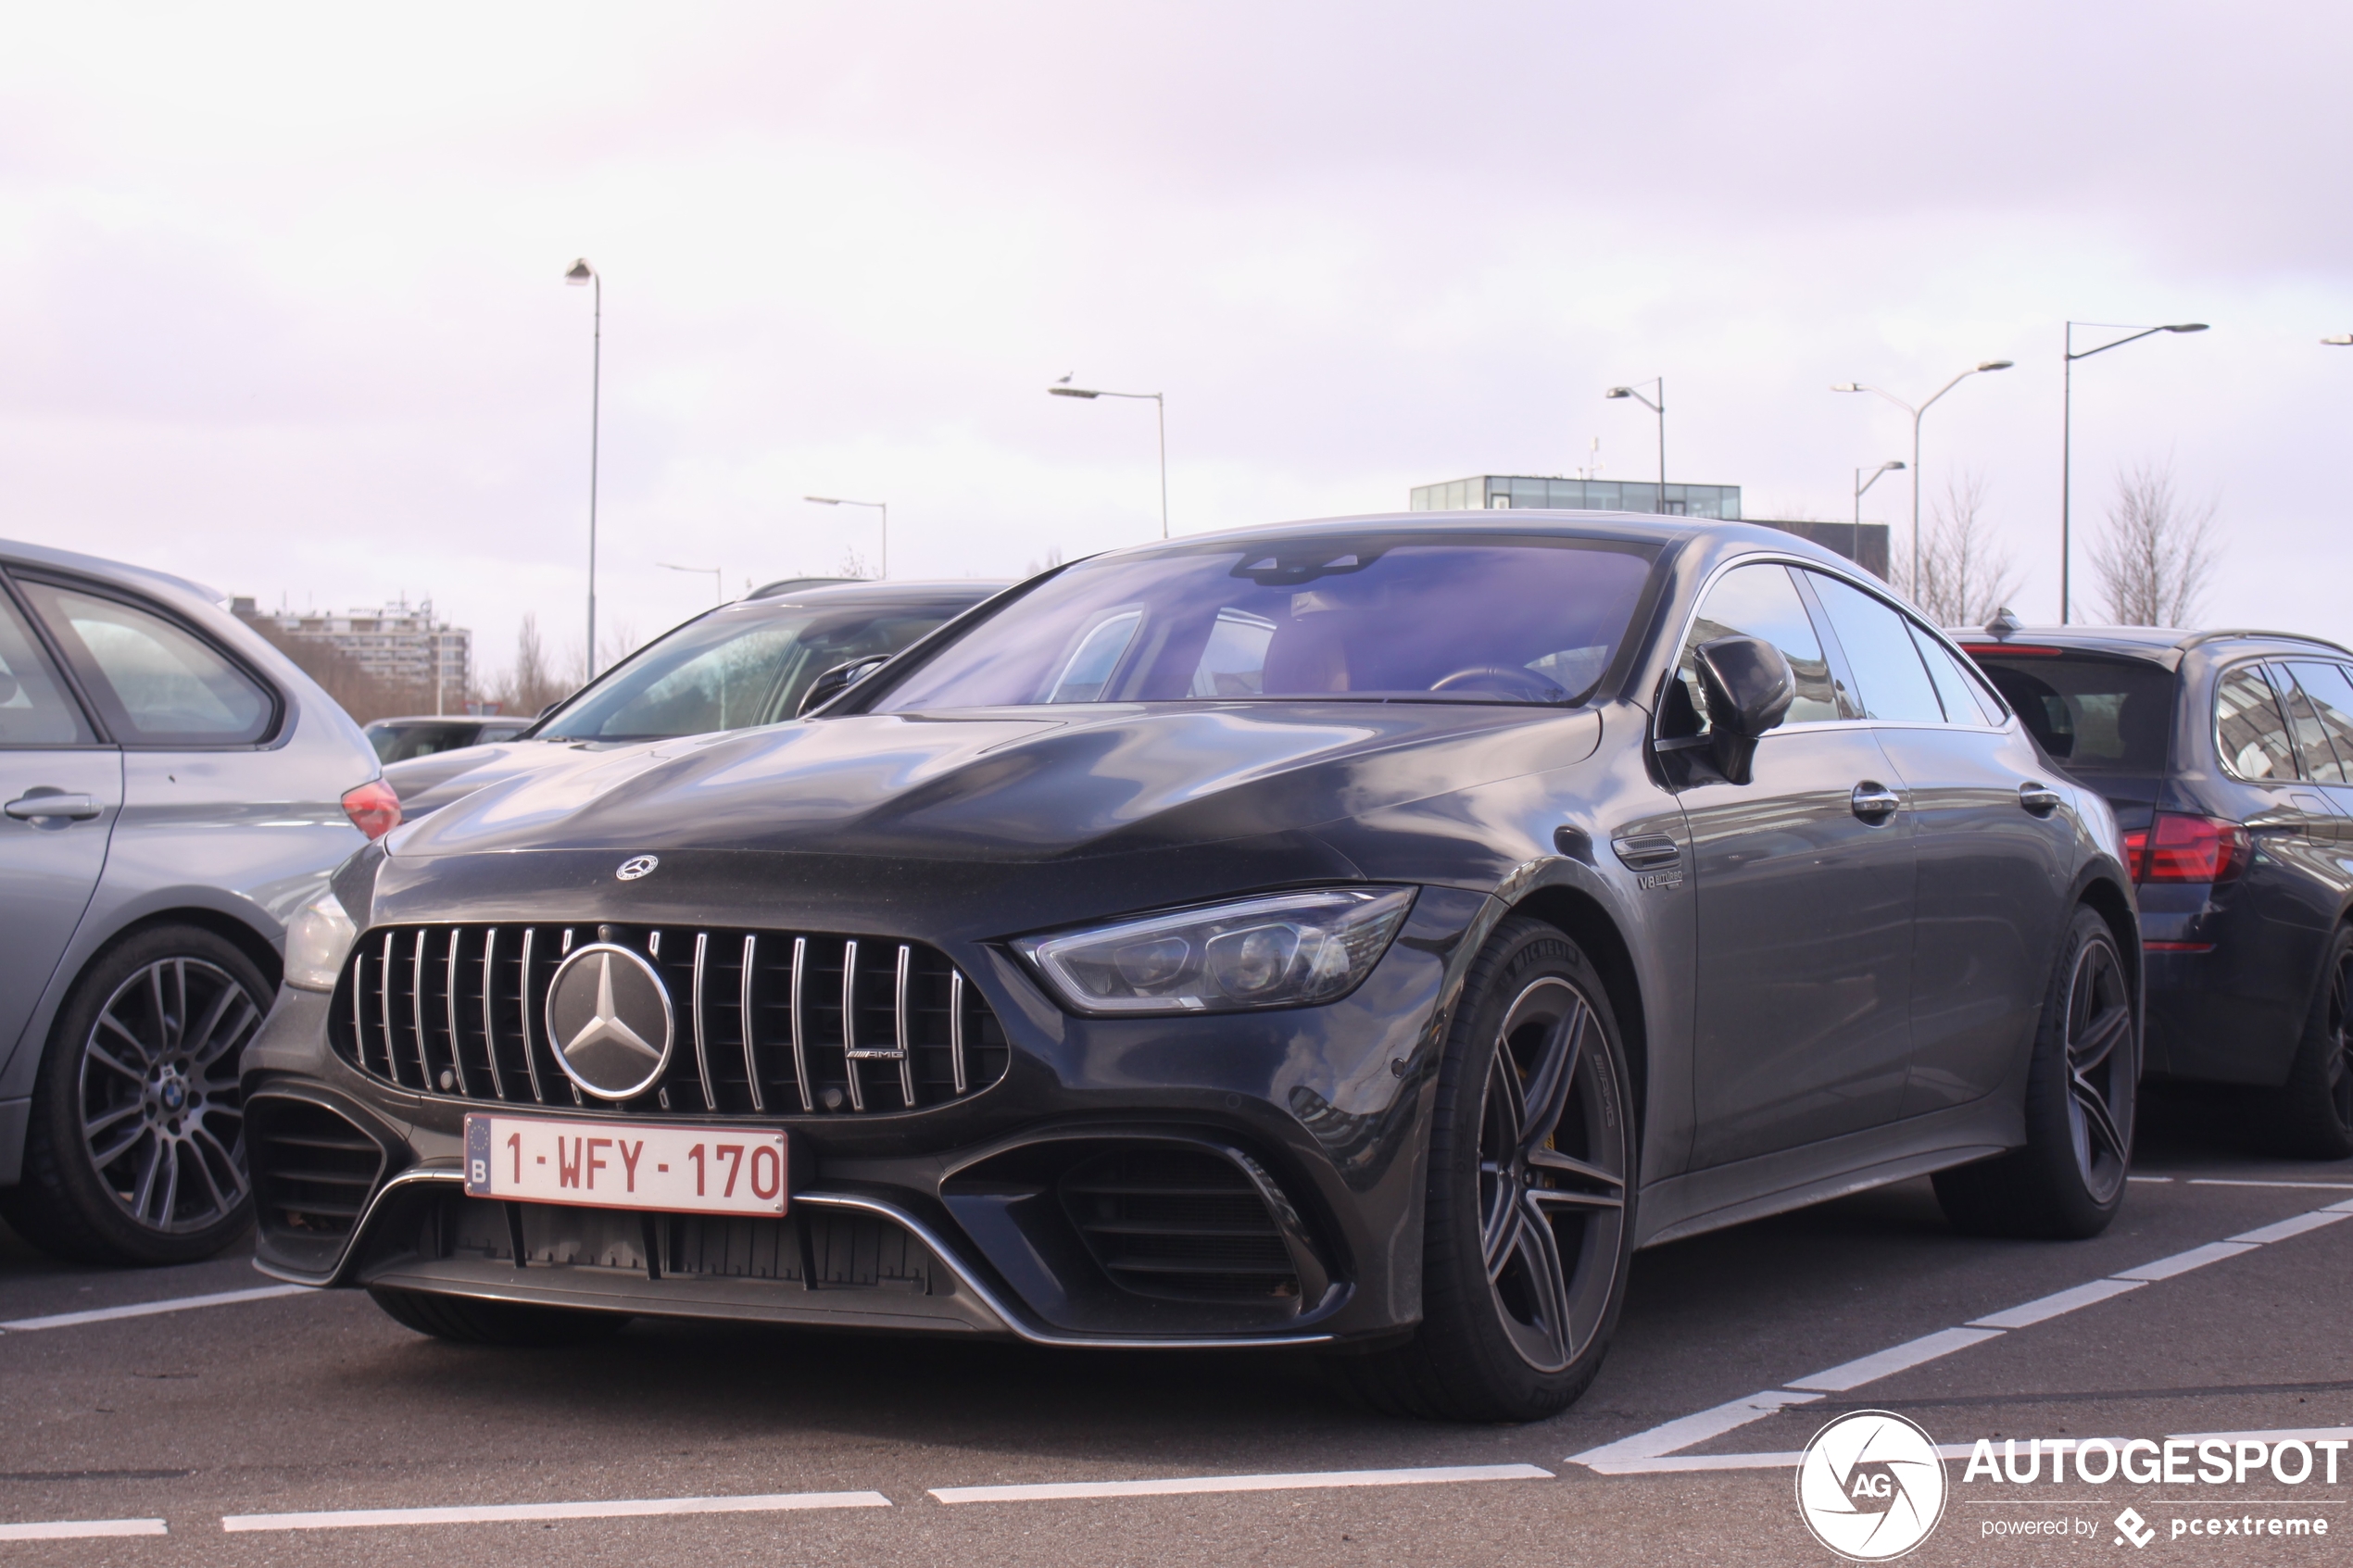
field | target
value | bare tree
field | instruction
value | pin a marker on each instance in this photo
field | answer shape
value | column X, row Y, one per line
column 1053, row 558
column 2156, row 559
column 531, row 684
column 854, row 565
column 1964, row 576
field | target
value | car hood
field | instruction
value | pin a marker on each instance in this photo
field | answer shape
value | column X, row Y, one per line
column 1011, row 785
column 427, row 783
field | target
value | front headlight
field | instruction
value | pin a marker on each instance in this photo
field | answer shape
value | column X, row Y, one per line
column 1291, row 950
column 316, row 942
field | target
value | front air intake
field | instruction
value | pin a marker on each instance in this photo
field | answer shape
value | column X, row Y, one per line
column 314, row 1171
column 1180, row 1224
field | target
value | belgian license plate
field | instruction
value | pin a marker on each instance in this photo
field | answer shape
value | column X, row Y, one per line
column 627, row 1165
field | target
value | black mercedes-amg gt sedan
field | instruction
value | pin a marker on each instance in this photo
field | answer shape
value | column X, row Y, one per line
column 1359, row 935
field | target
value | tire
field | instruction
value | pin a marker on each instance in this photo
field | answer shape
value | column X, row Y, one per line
column 135, row 1150
column 2314, row 1113
column 1531, row 1165
column 2081, row 1094
column 467, row 1321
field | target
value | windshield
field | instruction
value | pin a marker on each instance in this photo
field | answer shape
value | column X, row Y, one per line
column 1509, row 619
column 746, row 664
column 2096, row 715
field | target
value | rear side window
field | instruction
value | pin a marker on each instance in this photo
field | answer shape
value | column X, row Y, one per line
column 1892, row 683
column 34, row 708
column 155, row 682
column 2313, row 753
column 1966, row 699
column 2332, row 697
column 2248, row 728
column 1760, row 601
column 2096, row 715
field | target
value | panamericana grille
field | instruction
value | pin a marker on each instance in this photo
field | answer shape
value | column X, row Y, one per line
column 768, row 1023
column 1180, row 1223
column 312, row 1170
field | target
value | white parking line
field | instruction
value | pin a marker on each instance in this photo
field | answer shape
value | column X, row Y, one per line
column 1189, row 1486
column 149, row 1309
column 80, row 1529
column 501, row 1513
column 2226, row 1182
column 1624, row 1456
column 1678, row 1463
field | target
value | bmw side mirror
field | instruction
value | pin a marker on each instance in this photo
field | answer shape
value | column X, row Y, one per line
column 837, row 680
column 1749, row 686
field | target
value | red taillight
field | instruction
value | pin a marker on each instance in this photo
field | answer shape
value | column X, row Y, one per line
column 374, row 807
column 2187, row 849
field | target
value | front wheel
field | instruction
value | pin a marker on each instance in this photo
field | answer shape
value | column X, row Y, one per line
column 2314, row 1118
column 1527, row 1229
column 2083, row 1085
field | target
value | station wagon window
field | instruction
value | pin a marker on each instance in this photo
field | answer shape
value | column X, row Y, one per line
column 2313, row 755
column 2094, row 713
column 1879, row 655
column 1760, row 601
column 1966, row 699
column 1383, row 618
column 34, row 708
column 2332, row 697
column 155, row 682
column 2247, row 727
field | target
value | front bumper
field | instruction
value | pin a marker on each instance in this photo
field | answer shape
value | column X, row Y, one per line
column 958, row 1218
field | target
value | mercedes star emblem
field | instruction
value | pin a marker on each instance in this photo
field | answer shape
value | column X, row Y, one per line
column 638, row 866
column 609, row 1019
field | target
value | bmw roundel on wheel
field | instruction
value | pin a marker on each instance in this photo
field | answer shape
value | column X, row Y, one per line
column 1360, row 935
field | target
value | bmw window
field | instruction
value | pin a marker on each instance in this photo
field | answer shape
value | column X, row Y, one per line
column 156, row 683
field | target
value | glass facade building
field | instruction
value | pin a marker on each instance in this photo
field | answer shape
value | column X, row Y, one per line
column 1491, row 490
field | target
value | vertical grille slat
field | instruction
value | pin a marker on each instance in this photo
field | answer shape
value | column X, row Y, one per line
column 901, row 1006
column 752, row 1051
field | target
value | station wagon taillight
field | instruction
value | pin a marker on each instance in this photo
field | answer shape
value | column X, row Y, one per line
column 2179, row 849
column 374, row 807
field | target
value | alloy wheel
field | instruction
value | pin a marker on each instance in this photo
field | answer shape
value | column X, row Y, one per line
column 162, row 1121
column 1554, row 1152
column 2100, row 1069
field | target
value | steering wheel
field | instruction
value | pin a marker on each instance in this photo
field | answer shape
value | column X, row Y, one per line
column 1500, row 680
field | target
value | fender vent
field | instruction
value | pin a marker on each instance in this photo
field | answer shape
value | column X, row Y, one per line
column 1180, row 1224
column 312, row 1170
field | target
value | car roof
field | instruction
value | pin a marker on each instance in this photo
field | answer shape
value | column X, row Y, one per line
column 2161, row 644
column 891, row 591
column 19, row 552
column 1633, row 528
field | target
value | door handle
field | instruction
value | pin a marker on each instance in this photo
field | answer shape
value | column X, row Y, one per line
column 34, row 807
column 1875, row 802
column 2039, row 798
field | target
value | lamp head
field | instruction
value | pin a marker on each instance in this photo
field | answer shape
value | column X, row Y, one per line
column 1893, row 465
column 1619, row 392
column 1070, row 392
column 2342, row 339
column 1997, row 365
column 581, row 271
column 2187, row 326
column 822, row 500
column 1847, row 386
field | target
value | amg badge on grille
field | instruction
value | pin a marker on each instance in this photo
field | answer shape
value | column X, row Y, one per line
column 609, row 1019
column 638, row 866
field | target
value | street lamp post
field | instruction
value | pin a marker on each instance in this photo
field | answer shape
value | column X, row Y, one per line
column 882, row 507
column 1854, row 539
column 1158, row 404
column 1916, row 413
column 718, row 586
column 582, row 273
column 2066, row 439
column 1659, row 408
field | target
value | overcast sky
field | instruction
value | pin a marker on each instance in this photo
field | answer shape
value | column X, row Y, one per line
column 281, row 304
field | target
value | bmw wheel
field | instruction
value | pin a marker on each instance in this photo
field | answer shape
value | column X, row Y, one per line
column 1529, row 1226
column 135, row 1152
column 2083, row 1085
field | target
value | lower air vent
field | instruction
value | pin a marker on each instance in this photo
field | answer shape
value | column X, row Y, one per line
column 1180, row 1224
column 312, row 1171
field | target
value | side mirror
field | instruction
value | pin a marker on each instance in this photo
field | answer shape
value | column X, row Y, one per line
column 837, row 680
column 1749, row 686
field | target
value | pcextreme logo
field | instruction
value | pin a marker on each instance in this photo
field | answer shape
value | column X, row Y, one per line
column 1871, row 1485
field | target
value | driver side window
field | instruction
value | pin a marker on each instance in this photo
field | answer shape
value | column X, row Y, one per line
column 1760, row 601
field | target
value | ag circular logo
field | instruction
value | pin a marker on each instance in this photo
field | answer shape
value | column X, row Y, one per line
column 638, row 866
column 1870, row 1487
column 609, row 1019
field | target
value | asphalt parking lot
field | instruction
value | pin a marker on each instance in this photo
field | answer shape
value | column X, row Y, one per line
column 204, row 1428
